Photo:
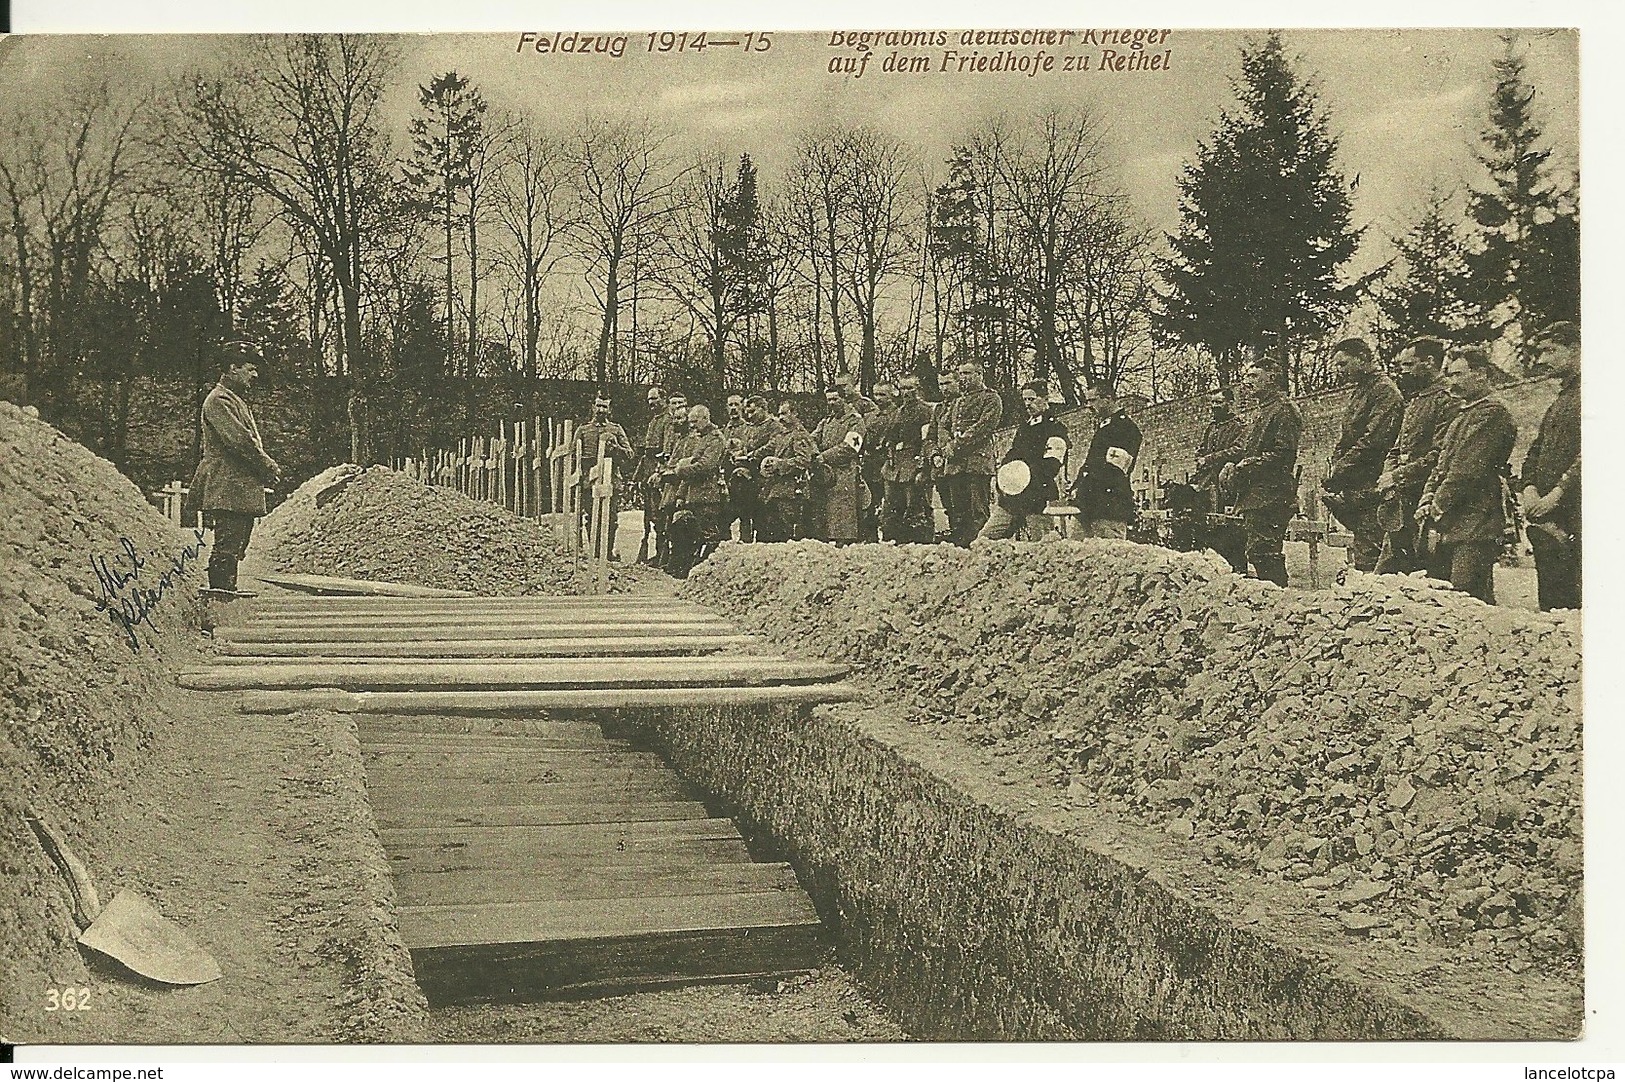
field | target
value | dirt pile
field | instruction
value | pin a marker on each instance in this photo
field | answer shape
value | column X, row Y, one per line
column 1407, row 752
column 382, row 524
column 97, row 602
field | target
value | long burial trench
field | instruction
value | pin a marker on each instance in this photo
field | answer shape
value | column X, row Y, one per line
column 534, row 856
column 520, row 759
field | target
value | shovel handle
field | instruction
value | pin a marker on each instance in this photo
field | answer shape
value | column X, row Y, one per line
column 87, row 904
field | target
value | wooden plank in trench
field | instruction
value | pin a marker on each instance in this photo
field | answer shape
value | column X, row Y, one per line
column 528, row 950
column 516, row 673
column 527, row 702
column 593, row 881
column 625, row 646
column 332, row 584
column 515, row 629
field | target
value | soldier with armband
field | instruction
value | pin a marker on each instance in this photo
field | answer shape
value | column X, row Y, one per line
column 1026, row 480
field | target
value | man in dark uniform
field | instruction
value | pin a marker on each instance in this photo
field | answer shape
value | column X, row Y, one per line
column 676, row 432
column 936, row 439
column 696, row 475
column 784, row 471
column 1219, row 446
column 1027, row 477
column 835, row 504
column 1264, row 475
column 747, row 441
column 877, row 443
column 1464, row 503
column 651, row 446
column 1551, row 475
column 603, row 432
column 906, row 512
column 1370, row 424
column 967, row 452
column 229, row 484
column 1429, row 409
column 1101, row 490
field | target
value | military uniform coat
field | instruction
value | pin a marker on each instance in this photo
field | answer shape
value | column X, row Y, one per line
column 905, row 443
column 838, row 488
column 973, row 417
column 235, row 468
column 697, row 458
column 1428, row 414
column 1266, row 468
column 794, row 450
column 1371, row 421
column 1465, row 488
column 1102, row 488
column 1031, row 444
column 1219, row 446
column 1554, row 457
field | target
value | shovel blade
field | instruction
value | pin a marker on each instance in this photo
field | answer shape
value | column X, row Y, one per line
column 133, row 933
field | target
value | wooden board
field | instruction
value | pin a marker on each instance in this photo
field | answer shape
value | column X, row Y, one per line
column 515, row 674
column 535, row 851
column 518, row 629
column 501, row 766
column 274, row 605
column 666, row 941
column 454, row 729
column 631, row 646
column 527, row 702
column 508, row 745
column 594, row 881
column 655, row 787
column 536, row 815
column 329, row 584
column 491, row 619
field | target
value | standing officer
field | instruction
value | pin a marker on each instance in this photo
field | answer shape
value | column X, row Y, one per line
column 968, row 450
column 676, row 432
column 229, row 484
column 836, row 503
column 906, row 512
column 1028, row 475
column 877, row 441
column 696, row 475
column 1265, row 473
column 651, row 446
column 784, row 469
column 1219, row 446
column 602, row 432
column 1551, row 475
column 1370, row 424
column 1101, row 490
column 936, row 440
column 1464, row 503
column 1429, row 409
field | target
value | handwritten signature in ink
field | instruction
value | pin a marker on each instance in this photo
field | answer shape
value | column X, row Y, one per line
column 128, row 596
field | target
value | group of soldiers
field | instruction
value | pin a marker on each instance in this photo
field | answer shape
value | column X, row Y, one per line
column 1420, row 475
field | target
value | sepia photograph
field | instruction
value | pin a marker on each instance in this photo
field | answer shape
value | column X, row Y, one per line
column 689, row 536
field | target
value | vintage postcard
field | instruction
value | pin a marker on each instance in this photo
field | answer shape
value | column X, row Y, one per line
column 705, row 535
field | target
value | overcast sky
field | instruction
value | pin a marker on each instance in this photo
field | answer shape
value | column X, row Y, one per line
column 1406, row 104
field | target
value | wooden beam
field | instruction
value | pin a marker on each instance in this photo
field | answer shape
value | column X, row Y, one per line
column 274, row 605
column 645, row 788
column 536, row 815
column 507, row 766
column 415, row 726
column 516, row 674
column 512, row 850
column 504, row 702
column 491, row 619
column 546, row 949
column 602, row 881
column 330, row 584
column 626, row 646
column 516, row 629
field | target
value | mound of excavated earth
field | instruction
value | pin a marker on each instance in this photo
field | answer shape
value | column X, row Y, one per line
column 97, row 601
column 379, row 524
column 1407, row 752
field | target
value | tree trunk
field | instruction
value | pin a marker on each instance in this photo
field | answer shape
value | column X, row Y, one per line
column 473, row 291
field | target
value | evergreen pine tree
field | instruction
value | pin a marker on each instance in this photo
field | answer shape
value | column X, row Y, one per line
column 1264, row 225
column 1525, row 265
column 445, row 138
column 1429, row 292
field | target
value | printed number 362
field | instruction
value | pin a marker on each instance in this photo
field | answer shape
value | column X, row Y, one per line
column 67, row 999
